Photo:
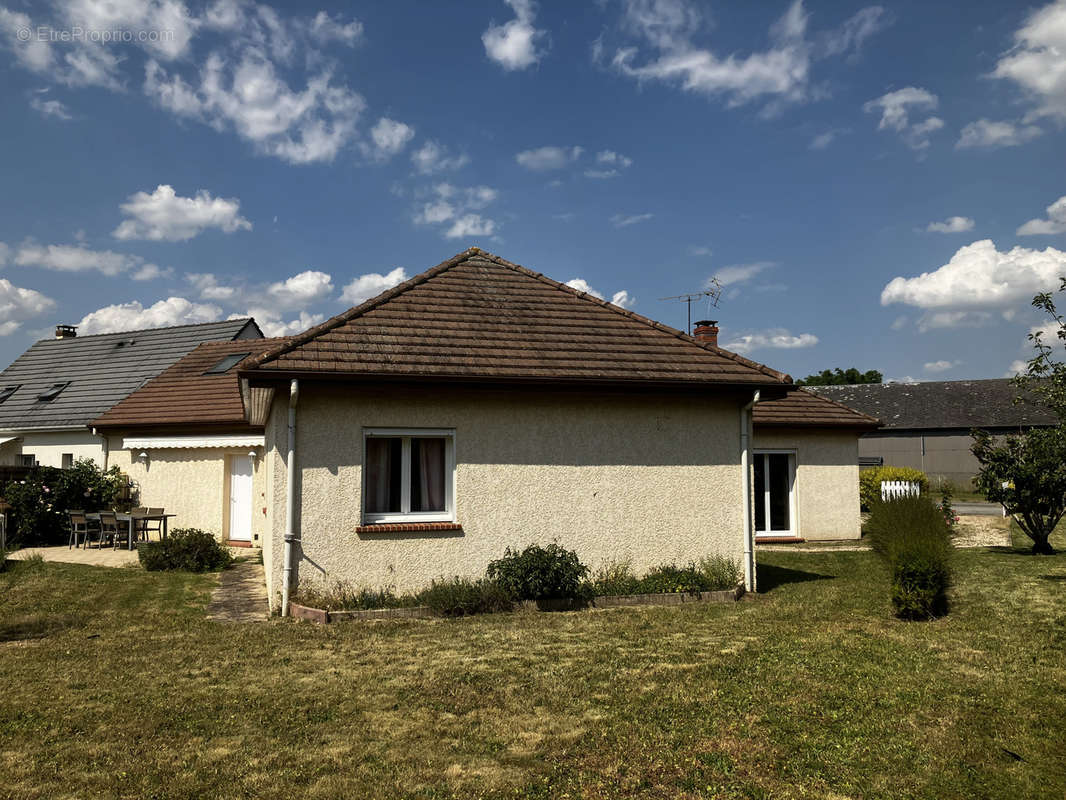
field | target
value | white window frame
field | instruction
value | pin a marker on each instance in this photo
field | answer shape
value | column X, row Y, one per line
column 406, row 434
column 793, row 519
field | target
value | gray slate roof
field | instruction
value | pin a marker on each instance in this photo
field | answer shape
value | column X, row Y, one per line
column 940, row 405
column 102, row 370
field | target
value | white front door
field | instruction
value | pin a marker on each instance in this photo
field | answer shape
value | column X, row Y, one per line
column 775, row 496
column 240, row 498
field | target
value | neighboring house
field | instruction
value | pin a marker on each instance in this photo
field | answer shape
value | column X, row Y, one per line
column 186, row 443
column 927, row 425
column 53, row 391
column 480, row 406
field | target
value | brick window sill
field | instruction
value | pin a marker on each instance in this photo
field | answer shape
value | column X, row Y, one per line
column 779, row 540
column 409, row 527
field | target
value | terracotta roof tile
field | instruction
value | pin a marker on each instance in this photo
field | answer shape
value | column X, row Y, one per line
column 184, row 395
column 801, row 408
column 480, row 316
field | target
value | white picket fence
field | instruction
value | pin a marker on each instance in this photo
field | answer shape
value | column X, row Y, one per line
column 892, row 490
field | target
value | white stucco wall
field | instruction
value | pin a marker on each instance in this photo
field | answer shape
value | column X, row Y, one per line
column 48, row 447
column 193, row 484
column 653, row 478
column 827, row 479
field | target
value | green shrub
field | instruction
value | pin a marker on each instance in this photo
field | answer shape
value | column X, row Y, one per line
column 345, row 596
column 458, row 597
column 189, row 549
column 41, row 500
column 615, row 578
column 721, row 573
column 911, row 535
column 870, row 482
column 672, row 578
column 540, row 573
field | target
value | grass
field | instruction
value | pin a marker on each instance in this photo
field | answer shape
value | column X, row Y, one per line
column 115, row 685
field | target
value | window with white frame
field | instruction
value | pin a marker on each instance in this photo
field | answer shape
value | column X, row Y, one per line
column 408, row 475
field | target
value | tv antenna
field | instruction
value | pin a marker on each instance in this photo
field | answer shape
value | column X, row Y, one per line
column 713, row 293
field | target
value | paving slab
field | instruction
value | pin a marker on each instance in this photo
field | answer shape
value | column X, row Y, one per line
column 241, row 594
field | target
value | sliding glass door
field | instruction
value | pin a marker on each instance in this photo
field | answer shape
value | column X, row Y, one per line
column 775, row 483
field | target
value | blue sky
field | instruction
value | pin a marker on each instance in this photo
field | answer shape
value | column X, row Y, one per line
column 881, row 186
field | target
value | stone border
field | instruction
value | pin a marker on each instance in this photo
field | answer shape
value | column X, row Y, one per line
column 324, row 617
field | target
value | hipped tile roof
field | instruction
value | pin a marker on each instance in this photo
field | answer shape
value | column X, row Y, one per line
column 803, row 409
column 478, row 316
column 184, row 395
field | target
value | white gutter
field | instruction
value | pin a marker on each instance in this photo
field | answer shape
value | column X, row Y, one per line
column 290, row 499
column 745, row 465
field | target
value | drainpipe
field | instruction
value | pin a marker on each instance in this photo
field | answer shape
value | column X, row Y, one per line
column 290, row 500
column 105, row 446
column 745, row 466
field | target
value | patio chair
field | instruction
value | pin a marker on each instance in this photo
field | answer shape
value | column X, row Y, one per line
column 109, row 528
column 79, row 526
column 153, row 525
column 138, row 524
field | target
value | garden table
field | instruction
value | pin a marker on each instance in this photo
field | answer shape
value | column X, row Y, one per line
column 130, row 519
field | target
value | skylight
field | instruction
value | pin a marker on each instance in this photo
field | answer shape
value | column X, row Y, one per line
column 52, row 392
column 7, row 391
column 228, row 363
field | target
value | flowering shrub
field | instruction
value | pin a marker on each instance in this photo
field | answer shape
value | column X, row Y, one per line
column 946, row 506
column 40, row 501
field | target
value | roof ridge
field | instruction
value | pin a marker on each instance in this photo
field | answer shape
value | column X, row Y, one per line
column 362, row 308
column 839, row 404
column 469, row 253
column 773, row 373
column 146, row 330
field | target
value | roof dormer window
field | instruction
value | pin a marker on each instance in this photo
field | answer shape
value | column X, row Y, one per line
column 52, row 392
column 7, row 391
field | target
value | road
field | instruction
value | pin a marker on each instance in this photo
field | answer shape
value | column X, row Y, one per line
column 979, row 509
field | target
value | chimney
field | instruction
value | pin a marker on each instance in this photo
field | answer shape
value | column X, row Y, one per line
column 66, row 331
column 706, row 330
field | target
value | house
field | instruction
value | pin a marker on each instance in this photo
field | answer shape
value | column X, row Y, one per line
column 927, row 425
column 481, row 405
column 186, row 444
column 51, row 393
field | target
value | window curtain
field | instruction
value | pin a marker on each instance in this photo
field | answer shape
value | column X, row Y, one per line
column 379, row 468
column 428, row 456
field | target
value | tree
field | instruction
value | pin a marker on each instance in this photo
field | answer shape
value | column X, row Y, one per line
column 841, row 377
column 1027, row 472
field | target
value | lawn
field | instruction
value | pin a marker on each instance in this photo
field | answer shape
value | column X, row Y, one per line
column 114, row 685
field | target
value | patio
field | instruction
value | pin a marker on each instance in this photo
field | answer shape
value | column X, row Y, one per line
column 93, row 556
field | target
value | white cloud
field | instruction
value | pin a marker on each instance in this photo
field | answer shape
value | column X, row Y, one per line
column 989, row 134
column 454, row 206
column 775, row 338
column 50, row 108
column 700, row 250
column 621, row 298
column 609, row 165
column 739, row 273
column 18, row 304
column 1037, row 62
column 940, row 366
column 550, row 157
column 895, row 109
column 624, row 221
column 851, row 35
column 271, row 323
column 134, row 316
column 822, row 140
column 1017, row 367
column 433, row 157
column 951, row 225
column 781, row 72
column 300, row 290
column 515, row 44
column 247, row 96
column 387, row 138
column 325, row 29
column 75, row 258
column 207, row 285
column 1055, row 222
column 978, row 276
column 150, row 272
column 166, row 216
column 371, row 285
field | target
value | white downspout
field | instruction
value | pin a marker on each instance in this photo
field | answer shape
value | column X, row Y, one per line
column 745, row 466
column 290, row 499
